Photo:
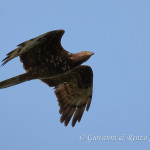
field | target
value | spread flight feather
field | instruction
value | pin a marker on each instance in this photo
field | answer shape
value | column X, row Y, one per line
column 44, row 58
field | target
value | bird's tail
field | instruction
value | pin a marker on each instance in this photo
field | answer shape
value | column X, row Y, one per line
column 15, row 80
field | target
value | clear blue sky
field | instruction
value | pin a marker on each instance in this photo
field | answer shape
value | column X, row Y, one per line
column 118, row 32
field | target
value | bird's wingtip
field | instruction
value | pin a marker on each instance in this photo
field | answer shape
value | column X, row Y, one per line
column 61, row 31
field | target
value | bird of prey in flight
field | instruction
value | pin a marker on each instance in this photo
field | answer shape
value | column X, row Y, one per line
column 45, row 59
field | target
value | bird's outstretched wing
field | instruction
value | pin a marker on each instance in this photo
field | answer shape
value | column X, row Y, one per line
column 74, row 92
column 32, row 50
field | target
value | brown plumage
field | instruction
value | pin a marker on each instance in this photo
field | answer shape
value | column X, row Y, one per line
column 44, row 58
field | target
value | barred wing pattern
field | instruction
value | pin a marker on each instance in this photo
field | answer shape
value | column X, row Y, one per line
column 74, row 92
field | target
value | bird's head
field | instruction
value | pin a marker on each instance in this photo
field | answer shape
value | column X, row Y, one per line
column 81, row 57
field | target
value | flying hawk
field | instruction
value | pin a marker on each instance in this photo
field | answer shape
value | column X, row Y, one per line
column 44, row 58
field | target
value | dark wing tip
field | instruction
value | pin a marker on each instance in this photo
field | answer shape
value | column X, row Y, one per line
column 59, row 32
column 78, row 115
column 4, row 61
column 89, row 102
